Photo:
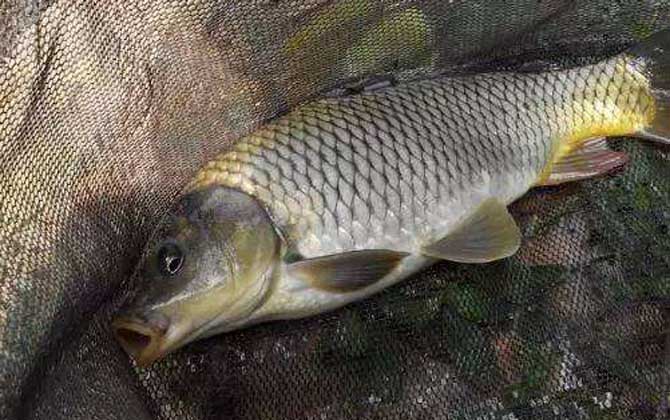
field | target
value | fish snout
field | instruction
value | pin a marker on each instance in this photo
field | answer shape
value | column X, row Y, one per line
column 142, row 335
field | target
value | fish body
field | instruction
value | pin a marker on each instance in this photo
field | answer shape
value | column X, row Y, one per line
column 399, row 168
column 351, row 195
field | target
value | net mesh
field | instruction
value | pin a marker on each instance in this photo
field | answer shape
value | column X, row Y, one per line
column 107, row 108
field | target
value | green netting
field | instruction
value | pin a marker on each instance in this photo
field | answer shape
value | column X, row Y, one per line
column 107, row 108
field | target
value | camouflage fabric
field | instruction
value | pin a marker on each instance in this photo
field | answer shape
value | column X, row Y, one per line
column 107, row 108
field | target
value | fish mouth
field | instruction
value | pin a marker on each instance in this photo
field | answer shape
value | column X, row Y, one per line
column 145, row 340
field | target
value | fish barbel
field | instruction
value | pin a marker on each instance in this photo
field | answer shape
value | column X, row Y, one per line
column 344, row 197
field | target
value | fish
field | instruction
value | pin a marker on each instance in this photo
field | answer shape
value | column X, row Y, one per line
column 341, row 198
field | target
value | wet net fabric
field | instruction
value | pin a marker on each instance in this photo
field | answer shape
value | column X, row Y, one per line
column 107, row 108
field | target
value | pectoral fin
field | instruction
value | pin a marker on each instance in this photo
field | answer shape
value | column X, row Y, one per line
column 591, row 159
column 489, row 234
column 346, row 272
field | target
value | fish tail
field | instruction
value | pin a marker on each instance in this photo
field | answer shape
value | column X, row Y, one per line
column 652, row 58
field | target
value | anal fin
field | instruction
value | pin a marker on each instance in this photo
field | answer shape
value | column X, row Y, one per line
column 489, row 234
column 591, row 159
column 346, row 272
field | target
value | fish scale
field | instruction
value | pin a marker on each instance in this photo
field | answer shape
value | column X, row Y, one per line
column 409, row 157
column 344, row 197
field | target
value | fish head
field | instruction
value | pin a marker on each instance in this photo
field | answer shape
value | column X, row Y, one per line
column 209, row 266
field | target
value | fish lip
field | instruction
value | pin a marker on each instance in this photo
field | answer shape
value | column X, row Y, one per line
column 126, row 326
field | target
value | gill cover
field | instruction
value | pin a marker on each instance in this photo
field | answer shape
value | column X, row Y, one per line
column 210, row 265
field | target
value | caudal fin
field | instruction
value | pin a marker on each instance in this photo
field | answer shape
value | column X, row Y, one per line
column 653, row 57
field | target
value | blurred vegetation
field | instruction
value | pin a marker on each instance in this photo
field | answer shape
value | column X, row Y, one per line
column 361, row 38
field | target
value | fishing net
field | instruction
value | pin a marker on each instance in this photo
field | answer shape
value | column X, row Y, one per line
column 107, row 108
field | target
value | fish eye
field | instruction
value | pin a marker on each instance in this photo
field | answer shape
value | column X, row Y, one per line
column 170, row 259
